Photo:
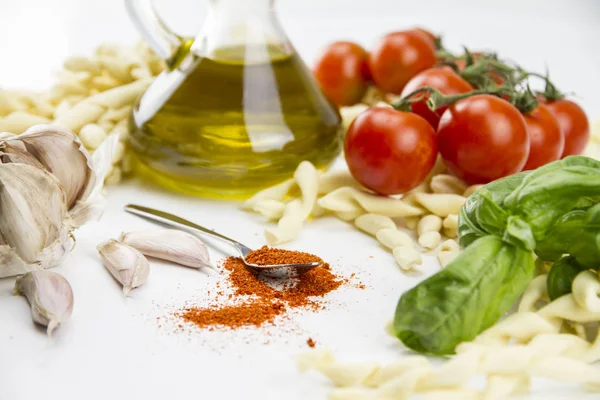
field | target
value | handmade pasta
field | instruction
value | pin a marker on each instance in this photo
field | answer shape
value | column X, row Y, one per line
column 392, row 238
column 277, row 192
column 344, row 375
column 586, row 288
column 347, row 199
column 429, row 223
column 430, row 240
column 297, row 210
column 447, row 184
column 407, row 257
column 441, row 204
column 471, row 189
column 373, row 223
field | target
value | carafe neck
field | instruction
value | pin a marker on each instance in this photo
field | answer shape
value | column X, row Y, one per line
column 234, row 23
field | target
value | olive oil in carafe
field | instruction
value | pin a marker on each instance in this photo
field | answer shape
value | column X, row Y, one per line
column 227, row 126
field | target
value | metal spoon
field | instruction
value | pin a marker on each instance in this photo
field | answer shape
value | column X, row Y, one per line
column 180, row 223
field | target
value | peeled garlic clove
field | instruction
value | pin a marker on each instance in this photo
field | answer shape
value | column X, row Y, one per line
column 63, row 155
column 50, row 297
column 125, row 263
column 171, row 245
column 33, row 220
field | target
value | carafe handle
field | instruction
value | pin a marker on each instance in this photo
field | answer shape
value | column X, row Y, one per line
column 155, row 32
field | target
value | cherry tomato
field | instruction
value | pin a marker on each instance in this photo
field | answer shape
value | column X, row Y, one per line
column 574, row 124
column 483, row 138
column 398, row 57
column 343, row 73
column 427, row 33
column 389, row 151
column 443, row 79
column 546, row 140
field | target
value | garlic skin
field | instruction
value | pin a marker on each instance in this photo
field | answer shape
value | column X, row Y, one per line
column 172, row 245
column 34, row 221
column 50, row 297
column 126, row 264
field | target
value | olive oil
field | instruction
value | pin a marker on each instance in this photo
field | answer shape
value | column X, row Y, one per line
column 233, row 123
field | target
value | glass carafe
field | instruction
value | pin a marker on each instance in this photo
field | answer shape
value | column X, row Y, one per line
column 235, row 111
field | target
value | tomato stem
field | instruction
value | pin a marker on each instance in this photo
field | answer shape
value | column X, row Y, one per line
column 434, row 99
column 551, row 92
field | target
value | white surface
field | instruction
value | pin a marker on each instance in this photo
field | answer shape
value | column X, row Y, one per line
column 112, row 347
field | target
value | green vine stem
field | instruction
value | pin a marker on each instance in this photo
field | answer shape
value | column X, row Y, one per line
column 525, row 102
column 551, row 92
column 434, row 98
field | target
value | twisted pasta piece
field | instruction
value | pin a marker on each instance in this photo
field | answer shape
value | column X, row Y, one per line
column 297, row 210
column 586, row 288
column 349, row 199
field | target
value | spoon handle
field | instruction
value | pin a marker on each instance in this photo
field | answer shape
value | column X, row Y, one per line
column 177, row 222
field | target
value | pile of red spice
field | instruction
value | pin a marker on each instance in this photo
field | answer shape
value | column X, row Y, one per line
column 261, row 299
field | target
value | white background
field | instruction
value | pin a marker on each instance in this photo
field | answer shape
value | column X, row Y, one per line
column 112, row 347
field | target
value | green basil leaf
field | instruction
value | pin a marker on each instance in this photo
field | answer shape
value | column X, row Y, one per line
column 518, row 233
column 469, row 295
column 561, row 276
column 551, row 191
column 576, row 233
column 482, row 213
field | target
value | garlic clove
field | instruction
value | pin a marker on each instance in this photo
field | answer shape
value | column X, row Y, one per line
column 125, row 263
column 6, row 135
column 33, row 211
column 50, row 297
column 62, row 154
column 170, row 244
column 17, row 154
column 91, row 205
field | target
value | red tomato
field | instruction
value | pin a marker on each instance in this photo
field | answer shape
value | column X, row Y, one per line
column 574, row 124
column 398, row 57
column 546, row 140
column 427, row 33
column 483, row 138
column 343, row 72
column 443, row 79
column 389, row 151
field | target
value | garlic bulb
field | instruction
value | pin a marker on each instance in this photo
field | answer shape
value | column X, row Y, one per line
column 50, row 297
column 49, row 186
column 170, row 244
column 125, row 263
column 34, row 222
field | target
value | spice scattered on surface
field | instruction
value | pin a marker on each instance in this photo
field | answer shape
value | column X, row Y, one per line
column 259, row 300
column 311, row 343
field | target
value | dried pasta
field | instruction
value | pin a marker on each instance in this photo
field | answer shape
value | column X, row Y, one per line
column 441, row 204
column 348, row 199
column 373, row 223
column 297, row 210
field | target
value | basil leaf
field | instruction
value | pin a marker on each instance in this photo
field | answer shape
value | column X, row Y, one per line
column 576, row 233
column 549, row 192
column 561, row 276
column 469, row 295
column 482, row 214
